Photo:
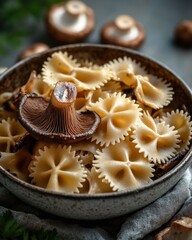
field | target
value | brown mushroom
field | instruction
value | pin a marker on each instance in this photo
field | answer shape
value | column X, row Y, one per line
column 124, row 31
column 70, row 22
column 57, row 120
column 183, row 33
column 180, row 229
column 33, row 49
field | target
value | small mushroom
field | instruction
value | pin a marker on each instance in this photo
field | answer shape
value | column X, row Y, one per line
column 124, row 31
column 57, row 120
column 70, row 22
column 33, row 49
column 183, row 33
column 180, row 229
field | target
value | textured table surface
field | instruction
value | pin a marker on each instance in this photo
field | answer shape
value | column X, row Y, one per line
column 159, row 19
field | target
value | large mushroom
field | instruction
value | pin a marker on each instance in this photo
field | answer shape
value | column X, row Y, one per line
column 124, row 31
column 57, row 120
column 70, row 22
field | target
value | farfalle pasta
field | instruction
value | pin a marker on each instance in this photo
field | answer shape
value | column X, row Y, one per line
column 11, row 131
column 131, row 127
column 157, row 140
column 118, row 114
column 125, row 69
column 57, row 168
column 153, row 92
column 182, row 122
column 63, row 67
column 123, row 166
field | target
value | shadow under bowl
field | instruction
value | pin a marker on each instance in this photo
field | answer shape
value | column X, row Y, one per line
column 96, row 206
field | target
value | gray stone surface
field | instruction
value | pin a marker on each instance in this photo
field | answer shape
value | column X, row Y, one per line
column 138, row 225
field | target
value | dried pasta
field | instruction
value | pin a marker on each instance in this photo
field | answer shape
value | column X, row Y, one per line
column 123, row 166
column 153, row 92
column 181, row 121
column 158, row 141
column 137, row 131
column 125, row 69
column 17, row 163
column 57, row 168
column 118, row 114
column 11, row 131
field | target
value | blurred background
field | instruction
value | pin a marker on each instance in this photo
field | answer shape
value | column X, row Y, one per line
column 23, row 23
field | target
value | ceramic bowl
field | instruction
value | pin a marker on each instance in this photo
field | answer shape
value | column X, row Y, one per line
column 98, row 206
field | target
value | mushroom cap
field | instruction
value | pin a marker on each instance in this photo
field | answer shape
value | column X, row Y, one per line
column 70, row 22
column 33, row 49
column 57, row 120
column 123, row 31
column 180, row 229
column 183, row 33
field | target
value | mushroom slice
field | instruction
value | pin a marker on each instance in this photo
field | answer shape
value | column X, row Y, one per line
column 158, row 141
column 180, row 229
column 11, row 131
column 153, row 91
column 181, row 121
column 57, row 120
column 118, row 114
column 125, row 70
column 123, row 166
column 57, row 168
column 17, row 163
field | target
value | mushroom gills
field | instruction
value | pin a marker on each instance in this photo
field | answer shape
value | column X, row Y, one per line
column 57, row 120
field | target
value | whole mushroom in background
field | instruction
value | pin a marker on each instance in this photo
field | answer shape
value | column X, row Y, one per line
column 183, row 33
column 33, row 49
column 124, row 31
column 70, row 22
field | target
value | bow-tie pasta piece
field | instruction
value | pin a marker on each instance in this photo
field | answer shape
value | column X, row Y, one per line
column 4, row 114
column 125, row 70
column 153, row 92
column 111, row 86
column 57, row 168
column 86, row 151
column 61, row 67
column 118, row 114
column 36, row 85
column 123, row 166
column 158, row 141
column 58, row 65
column 90, row 79
column 183, row 124
column 94, row 95
column 17, row 163
column 11, row 131
column 95, row 184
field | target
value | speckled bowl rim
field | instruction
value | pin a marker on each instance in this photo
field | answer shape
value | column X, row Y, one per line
column 101, row 196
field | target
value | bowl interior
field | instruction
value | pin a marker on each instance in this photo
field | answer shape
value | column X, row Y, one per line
column 99, row 54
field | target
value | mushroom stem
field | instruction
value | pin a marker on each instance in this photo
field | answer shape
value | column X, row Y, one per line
column 124, row 22
column 62, row 104
column 75, row 8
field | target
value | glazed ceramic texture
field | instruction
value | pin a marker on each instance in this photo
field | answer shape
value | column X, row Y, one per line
column 97, row 206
